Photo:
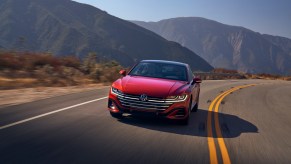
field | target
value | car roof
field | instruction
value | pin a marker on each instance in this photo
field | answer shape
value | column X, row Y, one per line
column 165, row 61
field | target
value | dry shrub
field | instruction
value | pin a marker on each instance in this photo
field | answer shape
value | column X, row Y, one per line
column 107, row 72
column 32, row 61
column 71, row 61
column 223, row 70
column 48, row 70
column 268, row 76
column 10, row 61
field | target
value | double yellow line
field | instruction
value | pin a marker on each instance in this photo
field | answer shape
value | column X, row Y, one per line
column 211, row 141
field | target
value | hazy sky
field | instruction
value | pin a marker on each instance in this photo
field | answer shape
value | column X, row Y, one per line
column 264, row 16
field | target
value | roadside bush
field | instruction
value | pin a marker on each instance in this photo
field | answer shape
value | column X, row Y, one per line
column 89, row 63
column 48, row 70
column 269, row 76
column 223, row 70
column 106, row 72
column 71, row 61
column 10, row 61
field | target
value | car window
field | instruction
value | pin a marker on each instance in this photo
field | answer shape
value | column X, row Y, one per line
column 160, row 70
column 191, row 75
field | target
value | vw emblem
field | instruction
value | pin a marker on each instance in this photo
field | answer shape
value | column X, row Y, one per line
column 143, row 97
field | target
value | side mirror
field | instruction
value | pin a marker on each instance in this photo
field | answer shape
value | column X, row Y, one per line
column 196, row 80
column 122, row 72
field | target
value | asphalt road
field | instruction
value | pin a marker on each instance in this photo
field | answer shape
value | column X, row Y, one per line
column 255, row 124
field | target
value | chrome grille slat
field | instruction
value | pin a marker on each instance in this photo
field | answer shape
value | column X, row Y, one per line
column 146, row 105
column 152, row 103
column 147, row 102
column 128, row 97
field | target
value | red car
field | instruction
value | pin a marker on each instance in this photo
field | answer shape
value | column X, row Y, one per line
column 156, row 88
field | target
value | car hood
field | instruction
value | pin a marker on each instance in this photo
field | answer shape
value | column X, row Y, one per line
column 154, row 87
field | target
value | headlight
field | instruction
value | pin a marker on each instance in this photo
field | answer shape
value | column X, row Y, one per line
column 115, row 91
column 177, row 98
column 182, row 97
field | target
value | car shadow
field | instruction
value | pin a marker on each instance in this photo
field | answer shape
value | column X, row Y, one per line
column 231, row 126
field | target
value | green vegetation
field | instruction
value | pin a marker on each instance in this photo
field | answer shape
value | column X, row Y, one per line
column 19, row 70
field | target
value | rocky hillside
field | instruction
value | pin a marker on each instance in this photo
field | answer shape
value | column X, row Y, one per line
column 225, row 46
column 65, row 27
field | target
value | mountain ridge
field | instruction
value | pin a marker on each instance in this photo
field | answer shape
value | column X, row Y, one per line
column 226, row 46
column 65, row 27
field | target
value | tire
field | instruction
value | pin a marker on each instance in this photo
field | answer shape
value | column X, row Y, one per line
column 185, row 121
column 116, row 115
column 195, row 108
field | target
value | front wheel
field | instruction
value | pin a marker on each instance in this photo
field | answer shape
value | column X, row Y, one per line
column 195, row 108
column 116, row 115
column 185, row 121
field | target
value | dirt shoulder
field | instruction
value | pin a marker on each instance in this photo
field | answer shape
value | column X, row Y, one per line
column 19, row 96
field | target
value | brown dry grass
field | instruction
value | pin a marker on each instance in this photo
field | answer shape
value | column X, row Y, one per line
column 6, row 83
column 26, row 70
column 26, row 77
column 224, row 74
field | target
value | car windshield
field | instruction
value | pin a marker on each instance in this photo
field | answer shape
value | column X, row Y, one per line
column 160, row 70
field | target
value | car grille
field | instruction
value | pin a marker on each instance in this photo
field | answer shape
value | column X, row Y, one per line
column 133, row 101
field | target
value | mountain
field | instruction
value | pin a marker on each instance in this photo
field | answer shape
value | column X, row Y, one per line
column 65, row 27
column 283, row 43
column 225, row 46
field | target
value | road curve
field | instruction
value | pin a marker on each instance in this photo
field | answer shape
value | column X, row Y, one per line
column 255, row 123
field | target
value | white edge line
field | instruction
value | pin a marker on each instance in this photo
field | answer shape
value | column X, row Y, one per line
column 49, row 113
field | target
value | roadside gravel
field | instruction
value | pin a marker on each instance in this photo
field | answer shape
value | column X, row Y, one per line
column 19, row 96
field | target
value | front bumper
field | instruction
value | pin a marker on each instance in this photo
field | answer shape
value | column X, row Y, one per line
column 176, row 111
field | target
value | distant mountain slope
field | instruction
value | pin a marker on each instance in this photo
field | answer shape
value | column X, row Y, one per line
column 283, row 43
column 66, row 27
column 227, row 46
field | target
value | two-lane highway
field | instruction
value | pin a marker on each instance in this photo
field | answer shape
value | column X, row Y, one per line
column 255, row 123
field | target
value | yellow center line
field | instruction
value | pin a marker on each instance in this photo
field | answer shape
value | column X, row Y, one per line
column 223, row 149
column 211, row 143
column 210, row 139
